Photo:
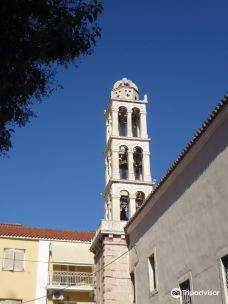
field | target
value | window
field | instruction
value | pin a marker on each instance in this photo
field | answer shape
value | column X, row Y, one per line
column 13, row 260
column 122, row 121
column 124, row 205
column 152, row 273
column 135, row 119
column 138, row 163
column 224, row 261
column 185, row 292
column 132, row 275
column 139, row 200
column 123, row 162
column 10, row 301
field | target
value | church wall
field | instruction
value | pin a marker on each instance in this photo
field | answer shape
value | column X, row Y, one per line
column 185, row 224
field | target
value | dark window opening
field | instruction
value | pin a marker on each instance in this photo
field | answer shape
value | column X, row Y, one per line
column 124, row 206
column 135, row 119
column 152, row 273
column 225, row 267
column 123, row 162
column 138, row 159
column 185, row 292
column 122, row 121
column 132, row 275
column 139, row 200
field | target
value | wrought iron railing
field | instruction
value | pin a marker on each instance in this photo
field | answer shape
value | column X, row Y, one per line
column 71, row 278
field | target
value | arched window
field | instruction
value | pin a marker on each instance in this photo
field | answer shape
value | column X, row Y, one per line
column 122, row 121
column 123, row 162
column 135, row 119
column 124, row 205
column 139, row 200
column 138, row 163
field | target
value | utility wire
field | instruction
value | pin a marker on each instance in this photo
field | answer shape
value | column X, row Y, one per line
column 106, row 265
column 36, row 261
column 24, row 260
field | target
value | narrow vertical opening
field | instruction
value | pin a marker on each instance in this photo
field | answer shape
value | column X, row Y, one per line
column 224, row 261
column 123, row 162
column 152, row 273
column 132, row 275
column 135, row 119
column 124, row 205
column 139, row 199
column 185, row 292
column 138, row 161
column 122, row 121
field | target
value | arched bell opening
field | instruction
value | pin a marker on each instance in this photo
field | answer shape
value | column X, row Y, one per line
column 139, row 199
column 135, row 120
column 138, row 163
column 122, row 121
column 124, row 205
column 123, row 162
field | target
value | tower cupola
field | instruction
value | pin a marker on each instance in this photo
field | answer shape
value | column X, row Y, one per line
column 125, row 89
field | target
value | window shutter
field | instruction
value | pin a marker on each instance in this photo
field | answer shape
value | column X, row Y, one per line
column 10, row 301
column 8, row 260
column 19, row 260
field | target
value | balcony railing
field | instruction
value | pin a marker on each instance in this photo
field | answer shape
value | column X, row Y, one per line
column 68, row 278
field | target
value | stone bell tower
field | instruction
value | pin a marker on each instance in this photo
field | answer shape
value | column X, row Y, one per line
column 128, row 183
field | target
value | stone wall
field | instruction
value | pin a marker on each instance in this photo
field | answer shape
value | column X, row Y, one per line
column 113, row 283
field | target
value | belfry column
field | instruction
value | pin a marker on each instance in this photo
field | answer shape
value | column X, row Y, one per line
column 127, row 180
column 115, row 208
column 131, row 165
column 146, row 166
column 132, row 206
column 129, row 124
column 143, row 125
column 115, row 125
column 115, row 164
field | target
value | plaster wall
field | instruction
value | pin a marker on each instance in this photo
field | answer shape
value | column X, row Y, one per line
column 71, row 253
column 19, row 285
column 185, row 224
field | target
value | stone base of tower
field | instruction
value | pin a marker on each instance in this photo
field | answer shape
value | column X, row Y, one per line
column 113, row 283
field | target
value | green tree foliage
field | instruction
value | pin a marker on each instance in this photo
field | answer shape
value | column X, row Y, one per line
column 35, row 37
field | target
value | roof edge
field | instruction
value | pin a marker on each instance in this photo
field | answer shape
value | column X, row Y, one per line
column 198, row 134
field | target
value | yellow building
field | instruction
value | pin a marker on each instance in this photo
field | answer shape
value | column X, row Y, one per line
column 45, row 266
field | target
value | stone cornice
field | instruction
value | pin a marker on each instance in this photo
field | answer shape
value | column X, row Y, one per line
column 136, row 139
column 107, row 228
column 123, row 181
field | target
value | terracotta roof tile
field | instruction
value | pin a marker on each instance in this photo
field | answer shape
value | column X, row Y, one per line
column 17, row 230
column 223, row 103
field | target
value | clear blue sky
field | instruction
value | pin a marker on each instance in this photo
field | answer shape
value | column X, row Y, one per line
column 175, row 51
